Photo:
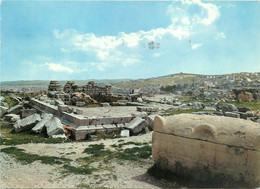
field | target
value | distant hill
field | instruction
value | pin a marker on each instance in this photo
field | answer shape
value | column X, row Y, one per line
column 46, row 82
column 178, row 78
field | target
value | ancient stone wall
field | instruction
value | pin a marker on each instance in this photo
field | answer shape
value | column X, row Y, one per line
column 54, row 86
column 91, row 88
column 199, row 146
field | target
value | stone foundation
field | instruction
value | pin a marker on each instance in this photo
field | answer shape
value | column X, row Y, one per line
column 82, row 125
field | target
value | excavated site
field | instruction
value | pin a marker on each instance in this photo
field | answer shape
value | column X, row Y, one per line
column 92, row 136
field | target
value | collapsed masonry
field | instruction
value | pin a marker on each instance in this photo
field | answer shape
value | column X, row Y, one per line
column 83, row 126
column 208, row 147
column 77, row 95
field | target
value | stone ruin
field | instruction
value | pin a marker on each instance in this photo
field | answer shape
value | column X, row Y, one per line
column 92, row 92
column 91, row 88
column 201, row 146
column 54, row 86
column 81, row 126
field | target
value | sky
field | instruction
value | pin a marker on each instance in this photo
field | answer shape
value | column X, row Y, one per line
column 66, row 40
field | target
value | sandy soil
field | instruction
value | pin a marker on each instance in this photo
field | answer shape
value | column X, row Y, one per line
column 38, row 175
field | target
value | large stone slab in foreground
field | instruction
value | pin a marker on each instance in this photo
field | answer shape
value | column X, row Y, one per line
column 200, row 146
column 27, row 123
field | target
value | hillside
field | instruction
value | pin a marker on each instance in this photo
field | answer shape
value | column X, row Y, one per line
column 179, row 78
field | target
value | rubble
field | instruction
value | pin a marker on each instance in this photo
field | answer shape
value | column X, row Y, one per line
column 3, row 111
column 27, row 112
column 137, row 125
column 15, row 109
column 27, row 123
column 54, row 127
column 39, row 127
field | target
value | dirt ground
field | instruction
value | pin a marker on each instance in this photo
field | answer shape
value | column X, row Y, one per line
column 128, row 174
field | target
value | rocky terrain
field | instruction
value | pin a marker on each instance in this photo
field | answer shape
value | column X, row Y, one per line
column 97, row 135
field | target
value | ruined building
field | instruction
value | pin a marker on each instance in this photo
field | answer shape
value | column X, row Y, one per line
column 54, row 86
column 91, row 88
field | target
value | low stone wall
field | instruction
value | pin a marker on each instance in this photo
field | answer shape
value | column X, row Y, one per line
column 42, row 106
column 200, row 145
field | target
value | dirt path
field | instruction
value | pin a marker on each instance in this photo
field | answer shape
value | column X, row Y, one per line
column 123, row 174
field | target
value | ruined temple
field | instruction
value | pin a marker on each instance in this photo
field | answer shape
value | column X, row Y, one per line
column 91, row 88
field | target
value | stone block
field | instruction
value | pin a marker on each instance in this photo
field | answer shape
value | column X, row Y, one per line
column 81, row 132
column 137, row 125
column 54, row 127
column 227, row 149
column 9, row 117
column 120, row 126
column 150, row 120
column 106, row 120
column 63, row 108
column 15, row 109
column 79, row 112
column 28, row 112
column 110, row 128
column 27, row 123
column 125, row 133
column 120, row 120
column 100, row 129
column 232, row 114
column 244, row 109
column 39, row 127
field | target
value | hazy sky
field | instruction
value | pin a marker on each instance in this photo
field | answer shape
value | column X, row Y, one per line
column 108, row 40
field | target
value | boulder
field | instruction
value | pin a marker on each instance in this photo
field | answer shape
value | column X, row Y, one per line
column 228, row 108
column 39, row 127
column 15, row 109
column 124, row 133
column 54, row 127
column 137, row 125
column 27, row 123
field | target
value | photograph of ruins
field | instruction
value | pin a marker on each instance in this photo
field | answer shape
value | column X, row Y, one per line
column 130, row 94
